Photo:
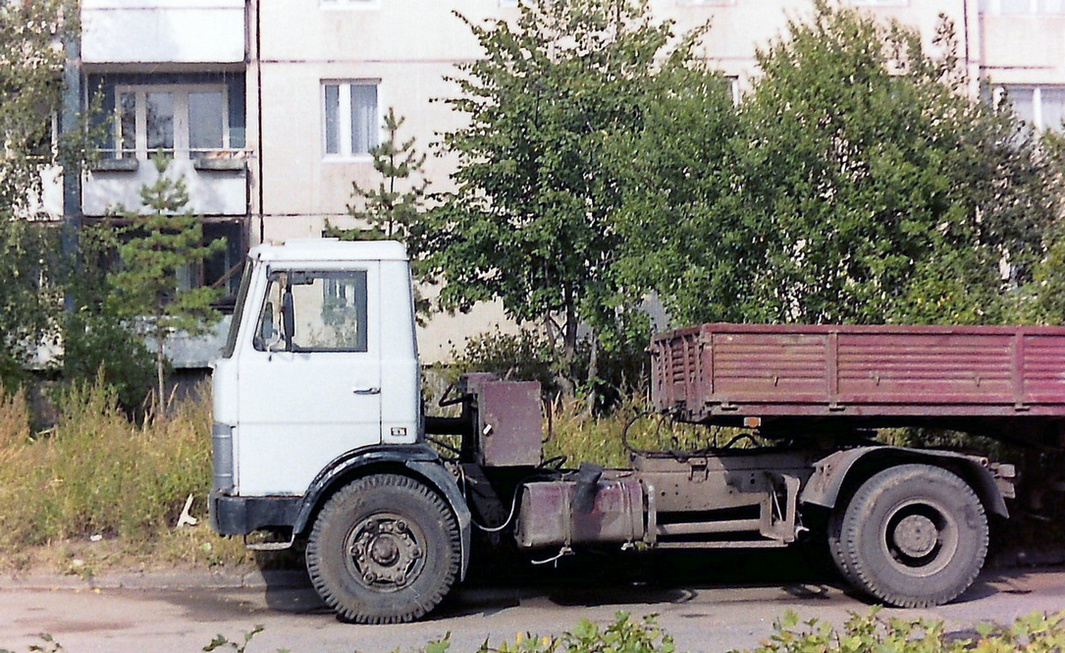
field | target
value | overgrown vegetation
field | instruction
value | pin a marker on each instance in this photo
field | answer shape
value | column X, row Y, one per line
column 1035, row 633
column 873, row 632
column 97, row 478
column 530, row 355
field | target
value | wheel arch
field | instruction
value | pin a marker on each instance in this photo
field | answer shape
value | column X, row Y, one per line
column 418, row 462
column 837, row 476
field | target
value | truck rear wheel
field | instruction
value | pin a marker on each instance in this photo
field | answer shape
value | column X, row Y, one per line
column 913, row 536
column 385, row 549
column 835, row 547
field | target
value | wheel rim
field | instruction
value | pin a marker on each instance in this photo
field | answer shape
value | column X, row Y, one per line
column 385, row 552
column 920, row 538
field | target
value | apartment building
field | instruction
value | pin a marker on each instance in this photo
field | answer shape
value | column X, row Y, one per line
column 270, row 108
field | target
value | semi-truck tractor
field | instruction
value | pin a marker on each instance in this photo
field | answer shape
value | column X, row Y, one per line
column 320, row 442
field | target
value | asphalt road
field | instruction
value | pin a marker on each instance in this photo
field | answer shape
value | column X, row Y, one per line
column 730, row 601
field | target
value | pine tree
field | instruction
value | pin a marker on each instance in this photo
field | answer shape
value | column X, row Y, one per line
column 161, row 240
column 388, row 208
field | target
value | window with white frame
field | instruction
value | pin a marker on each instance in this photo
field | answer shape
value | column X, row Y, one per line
column 181, row 121
column 1042, row 107
column 1015, row 7
column 350, row 119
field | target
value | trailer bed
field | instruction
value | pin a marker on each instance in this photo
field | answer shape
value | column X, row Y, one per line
column 718, row 373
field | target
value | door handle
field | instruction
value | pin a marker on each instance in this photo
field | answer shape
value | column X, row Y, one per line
column 367, row 391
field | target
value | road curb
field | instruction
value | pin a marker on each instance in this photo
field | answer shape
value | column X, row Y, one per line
column 159, row 580
column 290, row 578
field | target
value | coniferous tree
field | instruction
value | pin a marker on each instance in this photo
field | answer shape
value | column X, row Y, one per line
column 394, row 204
column 161, row 242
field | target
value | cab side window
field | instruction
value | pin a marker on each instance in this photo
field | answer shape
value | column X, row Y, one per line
column 314, row 311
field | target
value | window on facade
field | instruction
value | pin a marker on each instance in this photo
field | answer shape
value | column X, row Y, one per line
column 222, row 269
column 350, row 118
column 1042, row 107
column 328, row 312
column 187, row 122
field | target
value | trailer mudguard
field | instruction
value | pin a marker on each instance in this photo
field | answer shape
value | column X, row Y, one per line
column 422, row 461
column 832, row 472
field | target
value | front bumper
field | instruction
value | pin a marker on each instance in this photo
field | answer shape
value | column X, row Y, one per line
column 243, row 515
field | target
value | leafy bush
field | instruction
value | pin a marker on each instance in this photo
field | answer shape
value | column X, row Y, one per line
column 523, row 356
column 623, row 635
column 101, row 344
column 531, row 356
column 871, row 632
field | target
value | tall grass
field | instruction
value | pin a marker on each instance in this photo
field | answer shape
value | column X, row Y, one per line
column 95, row 475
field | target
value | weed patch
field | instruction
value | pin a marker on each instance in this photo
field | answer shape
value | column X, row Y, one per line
column 96, row 478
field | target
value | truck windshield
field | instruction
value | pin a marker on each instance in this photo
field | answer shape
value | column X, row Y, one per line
column 238, row 311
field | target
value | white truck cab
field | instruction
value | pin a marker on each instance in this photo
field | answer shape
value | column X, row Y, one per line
column 316, row 399
column 343, row 375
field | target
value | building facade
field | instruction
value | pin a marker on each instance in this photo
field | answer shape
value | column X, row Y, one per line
column 270, row 108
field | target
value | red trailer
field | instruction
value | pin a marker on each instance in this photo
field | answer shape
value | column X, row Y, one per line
column 1007, row 382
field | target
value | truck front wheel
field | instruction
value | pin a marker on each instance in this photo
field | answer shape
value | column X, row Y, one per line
column 384, row 549
column 913, row 536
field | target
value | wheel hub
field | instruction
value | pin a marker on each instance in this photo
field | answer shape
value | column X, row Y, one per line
column 384, row 552
column 916, row 535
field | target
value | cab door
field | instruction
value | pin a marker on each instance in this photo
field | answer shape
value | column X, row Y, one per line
column 310, row 386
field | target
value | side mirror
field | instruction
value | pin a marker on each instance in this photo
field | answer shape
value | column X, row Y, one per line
column 288, row 318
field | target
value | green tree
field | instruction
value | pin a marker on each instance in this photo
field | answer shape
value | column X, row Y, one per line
column 162, row 241
column 680, row 223
column 97, row 339
column 396, row 202
column 393, row 207
column 530, row 222
column 1048, row 287
column 858, row 181
column 876, row 188
column 30, row 93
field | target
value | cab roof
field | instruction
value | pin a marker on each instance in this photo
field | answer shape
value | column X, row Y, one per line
column 330, row 249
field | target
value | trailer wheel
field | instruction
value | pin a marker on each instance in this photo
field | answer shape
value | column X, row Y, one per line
column 385, row 549
column 913, row 536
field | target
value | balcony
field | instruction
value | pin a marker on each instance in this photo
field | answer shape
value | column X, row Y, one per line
column 162, row 31
column 217, row 184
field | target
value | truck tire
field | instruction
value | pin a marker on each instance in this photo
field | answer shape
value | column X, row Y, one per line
column 835, row 547
column 913, row 536
column 385, row 549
